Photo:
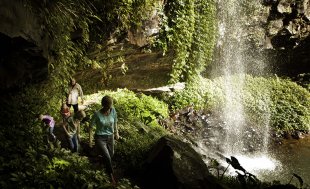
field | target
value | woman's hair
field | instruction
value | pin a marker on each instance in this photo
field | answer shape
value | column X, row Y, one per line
column 72, row 80
column 106, row 103
column 64, row 110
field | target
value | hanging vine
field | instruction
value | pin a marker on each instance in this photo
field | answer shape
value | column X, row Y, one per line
column 188, row 28
column 203, row 38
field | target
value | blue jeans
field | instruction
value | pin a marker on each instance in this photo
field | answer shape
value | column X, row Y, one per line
column 105, row 145
column 73, row 143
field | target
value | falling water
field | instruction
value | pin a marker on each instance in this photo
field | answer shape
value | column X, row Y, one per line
column 233, row 70
column 233, row 55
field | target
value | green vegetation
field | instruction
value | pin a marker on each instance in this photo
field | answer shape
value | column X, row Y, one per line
column 81, row 35
column 53, row 167
column 31, row 163
column 134, row 107
column 138, row 124
column 283, row 101
column 290, row 106
column 76, row 29
column 71, row 28
column 188, row 28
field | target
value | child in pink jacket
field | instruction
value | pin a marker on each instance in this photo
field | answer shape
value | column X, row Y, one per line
column 49, row 123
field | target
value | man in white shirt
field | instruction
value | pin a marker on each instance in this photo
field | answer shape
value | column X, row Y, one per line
column 75, row 90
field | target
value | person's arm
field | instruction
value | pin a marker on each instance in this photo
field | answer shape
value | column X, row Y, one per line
column 78, row 123
column 116, row 135
column 90, row 137
column 65, row 129
column 68, row 97
column 92, row 123
column 81, row 93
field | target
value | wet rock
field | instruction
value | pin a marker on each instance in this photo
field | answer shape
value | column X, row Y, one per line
column 287, row 135
column 292, row 27
column 297, row 135
column 274, row 26
column 306, row 9
column 174, row 164
column 283, row 40
column 150, row 27
column 284, row 7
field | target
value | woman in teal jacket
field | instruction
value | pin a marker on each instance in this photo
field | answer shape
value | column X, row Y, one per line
column 105, row 123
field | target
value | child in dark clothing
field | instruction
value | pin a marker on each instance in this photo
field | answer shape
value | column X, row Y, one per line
column 70, row 128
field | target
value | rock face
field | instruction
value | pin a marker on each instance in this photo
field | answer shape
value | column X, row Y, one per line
column 150, row 27
column 288, row 34
column 23, row 49
column 26, row 53
column 174, row 164
column 288, row 23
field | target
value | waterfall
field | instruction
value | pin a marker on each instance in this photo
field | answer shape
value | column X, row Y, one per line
column 233, row 59
column 232, row 68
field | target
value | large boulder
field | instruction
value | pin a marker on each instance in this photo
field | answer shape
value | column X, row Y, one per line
column 175, row 164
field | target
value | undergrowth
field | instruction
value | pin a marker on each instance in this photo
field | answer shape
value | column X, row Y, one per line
column 138, row 116
column 282, row 102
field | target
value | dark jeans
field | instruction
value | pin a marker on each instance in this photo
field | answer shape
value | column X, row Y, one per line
column 105, row 145
column 50, row 137
column 73, row 143
column 75, row 107
column 50, row 131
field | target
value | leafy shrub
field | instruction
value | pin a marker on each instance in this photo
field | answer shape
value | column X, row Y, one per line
column 138, row 116
column 199, row 92
column 54, row 167
column 290, row 106
column 132, row 107
column 282, row 103
column 26, row 161
column 303, row 80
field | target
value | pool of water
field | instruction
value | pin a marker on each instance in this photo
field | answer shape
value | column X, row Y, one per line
column 292, row 156
column 285, row 159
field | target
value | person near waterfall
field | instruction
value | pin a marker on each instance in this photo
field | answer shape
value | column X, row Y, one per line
column 74, row 91
column 105, row 123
